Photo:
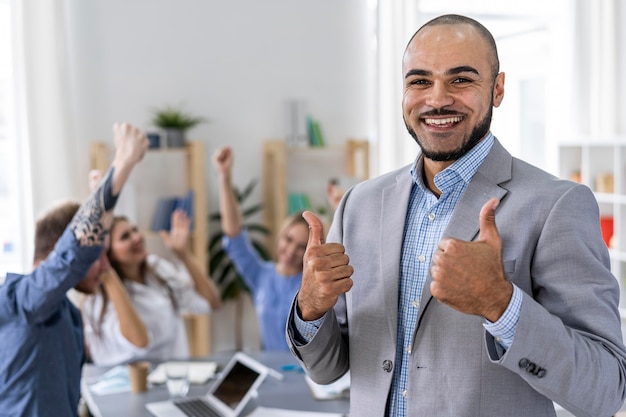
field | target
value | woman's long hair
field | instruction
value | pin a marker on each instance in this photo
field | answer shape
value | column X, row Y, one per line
column 144, row 268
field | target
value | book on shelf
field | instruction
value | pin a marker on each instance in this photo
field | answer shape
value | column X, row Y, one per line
column 297, row 202
column 166, row 206
column 316, row 139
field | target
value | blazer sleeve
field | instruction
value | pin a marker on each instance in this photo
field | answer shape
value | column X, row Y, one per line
column 568, row 343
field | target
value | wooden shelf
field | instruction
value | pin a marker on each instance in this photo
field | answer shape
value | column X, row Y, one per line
column 306, row 170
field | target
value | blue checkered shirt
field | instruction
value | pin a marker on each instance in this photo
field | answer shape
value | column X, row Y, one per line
column 427, row 218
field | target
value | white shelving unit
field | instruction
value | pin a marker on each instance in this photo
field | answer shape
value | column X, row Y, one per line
column 602, row 167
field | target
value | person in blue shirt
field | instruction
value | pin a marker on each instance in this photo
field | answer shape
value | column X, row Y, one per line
column 273, row 284
column 41, row 330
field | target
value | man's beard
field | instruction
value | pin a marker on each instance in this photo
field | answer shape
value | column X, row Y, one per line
column 479, row 132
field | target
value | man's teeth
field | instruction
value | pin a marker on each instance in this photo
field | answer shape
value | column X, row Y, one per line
column 443, row 121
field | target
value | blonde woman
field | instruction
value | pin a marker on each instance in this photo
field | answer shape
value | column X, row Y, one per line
column 273, row 284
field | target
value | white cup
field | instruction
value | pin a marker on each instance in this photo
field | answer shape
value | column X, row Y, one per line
column 177, row 379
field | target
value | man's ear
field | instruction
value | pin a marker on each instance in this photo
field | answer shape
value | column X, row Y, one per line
column 498, row 90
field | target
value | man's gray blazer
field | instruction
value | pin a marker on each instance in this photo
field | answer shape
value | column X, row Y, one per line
column 568, row 344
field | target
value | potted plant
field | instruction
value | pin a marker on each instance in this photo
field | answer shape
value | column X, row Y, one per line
column 175, row 122
column 221, row 268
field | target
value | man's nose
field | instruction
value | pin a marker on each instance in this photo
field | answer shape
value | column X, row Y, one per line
column 439, row 95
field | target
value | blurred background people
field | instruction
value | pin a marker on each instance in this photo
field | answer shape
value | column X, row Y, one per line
column 273, row 284
column 160, row 292
column 41, row 330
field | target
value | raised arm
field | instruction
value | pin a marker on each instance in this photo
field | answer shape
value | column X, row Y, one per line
column 178, row 241
column 81, row 244
column 93, row 219
column 229, row 207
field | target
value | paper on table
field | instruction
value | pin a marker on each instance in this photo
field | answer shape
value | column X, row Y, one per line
column 338, row 389
column 111, row 382
column 199, row 372
column 279, row 412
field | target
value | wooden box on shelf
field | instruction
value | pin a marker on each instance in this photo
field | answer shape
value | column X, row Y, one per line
column 164, row 173
column 288, row 169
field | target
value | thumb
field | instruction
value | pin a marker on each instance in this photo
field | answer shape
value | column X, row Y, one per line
column 488, row 229
column 316, row 229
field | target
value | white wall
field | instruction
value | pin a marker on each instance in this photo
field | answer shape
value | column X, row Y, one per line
column 235, row 62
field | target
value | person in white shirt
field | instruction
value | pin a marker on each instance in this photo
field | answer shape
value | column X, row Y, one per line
column 158, row 290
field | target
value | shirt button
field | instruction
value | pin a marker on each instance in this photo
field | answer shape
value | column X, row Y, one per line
column 404, row 393
column 415, row 303
column 431, row 216
column 499, row 339
column 421, row 258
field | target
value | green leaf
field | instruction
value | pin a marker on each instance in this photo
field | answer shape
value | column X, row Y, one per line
column 215, row 241
column 258, row 228
column 249, row 188
column 216, row 259
column 251, row 210
column 170, row 117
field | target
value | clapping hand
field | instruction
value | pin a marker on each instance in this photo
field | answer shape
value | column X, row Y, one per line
column 177, row 239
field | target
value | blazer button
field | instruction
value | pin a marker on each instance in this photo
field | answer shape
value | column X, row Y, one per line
column 387, row 366
column 523, row 363
column 541, row 373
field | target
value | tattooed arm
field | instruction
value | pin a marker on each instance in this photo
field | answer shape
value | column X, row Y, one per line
column 94, row 216
column 36, row 297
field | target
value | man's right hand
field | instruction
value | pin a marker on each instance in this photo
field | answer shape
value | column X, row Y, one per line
column 326, row 275
column 223, row 159
column 131, row 145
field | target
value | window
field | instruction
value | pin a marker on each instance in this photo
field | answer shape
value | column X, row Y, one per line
column 527, row 35
column 14, row 212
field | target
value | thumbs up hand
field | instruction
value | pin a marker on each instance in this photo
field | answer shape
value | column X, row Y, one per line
column 468, row 276
column 326, row 275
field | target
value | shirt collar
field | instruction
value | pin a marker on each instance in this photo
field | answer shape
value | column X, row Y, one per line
column 464, row 168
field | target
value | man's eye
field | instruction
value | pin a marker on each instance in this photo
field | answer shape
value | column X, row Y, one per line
column 419, row 82
column 462, row 80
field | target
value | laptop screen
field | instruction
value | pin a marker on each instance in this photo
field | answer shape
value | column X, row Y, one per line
column 235, row 385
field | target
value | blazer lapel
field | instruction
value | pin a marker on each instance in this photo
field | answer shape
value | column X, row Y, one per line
column 395, row 201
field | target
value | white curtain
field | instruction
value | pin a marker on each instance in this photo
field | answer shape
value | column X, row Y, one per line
column 597, row 37
column 53, row 154
column 397, row 21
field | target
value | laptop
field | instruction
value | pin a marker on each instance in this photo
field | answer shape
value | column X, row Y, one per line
column 227, row 397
